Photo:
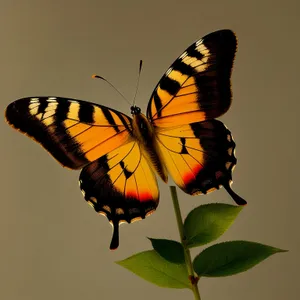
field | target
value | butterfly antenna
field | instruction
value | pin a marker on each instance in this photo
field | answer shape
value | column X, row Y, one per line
column 100, row 77
column 138, row 81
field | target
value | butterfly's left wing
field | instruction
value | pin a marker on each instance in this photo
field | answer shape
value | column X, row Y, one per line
column 121, row 185
column 116, row 178
column 74, row 132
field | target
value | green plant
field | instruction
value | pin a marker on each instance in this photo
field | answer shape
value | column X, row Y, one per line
column 170, row 265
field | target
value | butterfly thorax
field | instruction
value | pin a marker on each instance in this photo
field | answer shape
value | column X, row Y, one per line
column 144, row 133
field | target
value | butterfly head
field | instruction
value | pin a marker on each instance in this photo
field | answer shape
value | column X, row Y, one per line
column 135, row 110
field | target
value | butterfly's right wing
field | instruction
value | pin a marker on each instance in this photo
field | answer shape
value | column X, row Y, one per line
column 197, row 85
column 199, row 157
column 74, row 132
column 197, row 150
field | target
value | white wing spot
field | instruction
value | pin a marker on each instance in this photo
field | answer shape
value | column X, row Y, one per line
column 34, row 100
column 169, row 71
column 90, row 203
column 183, row 55
column 199, row 42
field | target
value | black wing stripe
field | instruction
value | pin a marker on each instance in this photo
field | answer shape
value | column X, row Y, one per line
column 193, row 52
column 172, row 86
column 110, row 119
column 124, row 122
column 86, row 114
column 183, row 68
column 42, row 107
column 52, row 121
column 157, row 103
column 62, row 110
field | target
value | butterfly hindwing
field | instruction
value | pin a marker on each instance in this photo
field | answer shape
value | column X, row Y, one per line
column 197, row 85
column 121, row 185
column 199, row 156
column 75, row 132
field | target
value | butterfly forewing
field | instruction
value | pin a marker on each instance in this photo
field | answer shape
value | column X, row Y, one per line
column 197, row 85
column 75, row 132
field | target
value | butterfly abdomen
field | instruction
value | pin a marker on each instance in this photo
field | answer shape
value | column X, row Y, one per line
column 143, row 131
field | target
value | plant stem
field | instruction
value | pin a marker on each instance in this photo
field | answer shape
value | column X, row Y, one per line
column 187, row 254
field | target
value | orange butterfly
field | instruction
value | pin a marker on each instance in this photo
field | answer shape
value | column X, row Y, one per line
column 119, row 155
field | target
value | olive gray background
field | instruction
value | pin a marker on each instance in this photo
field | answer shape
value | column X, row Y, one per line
column 53, row 245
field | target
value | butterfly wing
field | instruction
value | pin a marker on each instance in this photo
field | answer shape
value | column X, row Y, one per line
column 116, row 178
column 75, row 132
column 121, row 185
column 198, row 151
column 197, row 85
column 199, row 156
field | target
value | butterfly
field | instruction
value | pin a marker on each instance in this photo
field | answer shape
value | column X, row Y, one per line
column 120, row 156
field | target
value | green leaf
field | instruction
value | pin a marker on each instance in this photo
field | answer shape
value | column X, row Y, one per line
column 152, row 267
column 208, row 222
column 230, row 258
column 169, row 250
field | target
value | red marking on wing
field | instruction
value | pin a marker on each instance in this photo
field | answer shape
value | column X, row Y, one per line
column 191, row 175
column 144, row 196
